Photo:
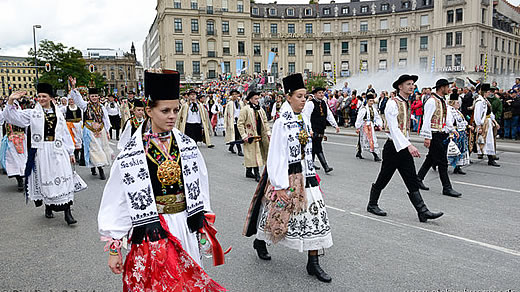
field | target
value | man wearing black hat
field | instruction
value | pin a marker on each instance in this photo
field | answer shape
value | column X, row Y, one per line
column 232, row 112
column 114, row 114
column 96, row 125
column 131, row 126
column 193, row 120
column 367, row 123
column 398, row 152
column 319, row 113
column 486, row 125
column 435, row 133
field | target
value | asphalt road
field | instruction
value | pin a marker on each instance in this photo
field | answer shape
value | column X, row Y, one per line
column 475, row 245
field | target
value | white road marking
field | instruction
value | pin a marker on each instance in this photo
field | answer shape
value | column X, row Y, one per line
column 341, row 144
column 486, row 187
column 399, row 224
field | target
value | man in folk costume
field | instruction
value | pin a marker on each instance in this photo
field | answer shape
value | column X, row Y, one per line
column 319, row 113
column 138, row 117
column 232, row 113
column 435, row 133
column 48, row 173
column 95, row 130
column 13, row 154
column 217, row 120
column 158, row 193
column 277, row 105
column 127, row 107
column 398, row 152
column 367, row 123
column 114, row 114
column 255, row 132
column 486, row 125
column 288, row 206
column 74, row 119
column 194, row 120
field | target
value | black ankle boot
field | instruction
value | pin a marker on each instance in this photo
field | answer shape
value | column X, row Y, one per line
column 68, row 216
column 492, row 162
column 458, row 170
column 256, row 172
column 231, row 149
column 77, row 155
column 101, row 174
column 19, row 181
column 314, row 269
column 239, row 150
column 447, row 189
column 422, row 211
column 372, row 203
column 48, row 212
column 315, row 164
column 93, row 171
column 82, row 158
column 249, row 172
column 376, row 158
column 358, row 155
column 323, row 162
column 261, row 250
column 422, row 186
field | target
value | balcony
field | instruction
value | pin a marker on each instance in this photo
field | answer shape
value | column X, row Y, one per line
column 212, row 54
column 211, row 32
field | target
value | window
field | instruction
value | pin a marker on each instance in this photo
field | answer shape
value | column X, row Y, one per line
column 344, row 47
column 385, row 7
column 405, row 4
column 326, row 27
column 308, row 12
column 404, row 21
column 178, row 25
column 308, row 66
column 382, row 65
column 402, row 63
column 291, row 49
column 423, row 63
column 503, row 47
column 496, row 43
column 274, row 28
column 458, row 38
column 363, row 47
column 225, row 27
column 326, row 11
column 256, row 27
column 458, row 14
column 344, row 27
column 210, row 27
column 225, row 48
column 364, row 9
column 194, row 26
column 449, row 16
column 448, row 61
column 179, row 66
column 308, row 28
column 274, row 48
column 196, row 67
column 449, row 39
column 256, row 49
column 290, row 12
column 364, row 66
column 194, row 5
column 255, row 10
column 272, row 12
column 383, row 24
column 178, row 47
column 257, row 67
column 240, row 6
column 403, row 44
column 363, row 26
column 508, row 50
column 458, row 60
column 426, row 2
column 240, row 28
column 344, row 10
column 326, row 48
column 483, row 16
column 241, row 48
column 290, row 28
column 292, row 67
column 177, row 4
column 195, row 47
column 227, row 67
column 308, row 49
column 424, row 43
column 424, row 20
column 383, row 46
column 482, row 37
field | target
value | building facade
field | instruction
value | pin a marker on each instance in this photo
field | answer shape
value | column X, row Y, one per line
column 201, row 39
column 14, row 76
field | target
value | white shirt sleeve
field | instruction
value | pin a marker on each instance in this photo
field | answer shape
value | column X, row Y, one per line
column 429, row 109
column 273, row 111
column 360, row 117
column 391, row 112
column 17, row 117
column 277, row 159
column 377, row 118
column 78, row 99
column 480, row 109
column 450, row 119
column 106, row 119
column 307, row 110
column 330, row 118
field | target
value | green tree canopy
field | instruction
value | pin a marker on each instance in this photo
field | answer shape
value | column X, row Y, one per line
column 316, row 81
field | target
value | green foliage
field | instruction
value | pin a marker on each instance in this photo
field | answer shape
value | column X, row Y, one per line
column 64, row 62
column 313, row 1
column 316, row 81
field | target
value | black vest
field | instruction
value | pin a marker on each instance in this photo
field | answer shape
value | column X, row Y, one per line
column 319, row 116
column 73, row 115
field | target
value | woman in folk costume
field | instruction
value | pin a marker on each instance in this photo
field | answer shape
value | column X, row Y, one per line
column 288, row 206
column 217, row 120
column 367, row 123
column 48, row 173
column 96, row 125
column 74, row 119
column 193, row 120
column 457, row 125
column 231, row 113
column 255, row 132
column 158, row 196
column 487, row 126
column 132, row 124
column 13, row 152
column 277, row 106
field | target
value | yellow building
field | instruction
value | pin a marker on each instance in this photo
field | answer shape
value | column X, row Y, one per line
column 13, row 75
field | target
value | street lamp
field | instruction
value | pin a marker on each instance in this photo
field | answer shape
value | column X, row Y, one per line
column 34, row 38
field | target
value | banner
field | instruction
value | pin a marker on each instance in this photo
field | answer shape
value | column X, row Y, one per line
column 223, row 68
column 239, row 66
column 270, row 61
column 433, row 64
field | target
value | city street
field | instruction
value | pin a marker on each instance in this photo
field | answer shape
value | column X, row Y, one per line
column 475, row 245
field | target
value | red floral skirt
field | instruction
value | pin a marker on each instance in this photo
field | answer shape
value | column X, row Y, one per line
column 164, row 266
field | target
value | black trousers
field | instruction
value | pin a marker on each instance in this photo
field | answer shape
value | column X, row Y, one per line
column 194, row 131
column 317, row 139
column 401, row 161
column 437, row 155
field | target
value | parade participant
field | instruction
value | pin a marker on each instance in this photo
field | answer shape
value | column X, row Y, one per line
column 114, row 114
column 132, row 124
column 292, row 210
column 435, row 133
column 398, row 152
column 217, row 120
column 367, row 123
column 73, row 117
column 275, row 112
column 96, row 123
column 231, row 112
column 255, row 132
column 13, row 152
column 319, row 113
column 193, row 120
column 487, row 126
column 160, row 199
column 51, row 153
column 457, row 125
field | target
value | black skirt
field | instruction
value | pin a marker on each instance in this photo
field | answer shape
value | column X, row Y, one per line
column 194, row 131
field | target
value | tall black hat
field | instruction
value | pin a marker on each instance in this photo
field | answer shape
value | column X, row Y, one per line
column 440, row 83
column 162, row 86
column 404, row 78
column 454, row 96
column 93, row 91
column 370, row 95
column 45, row 88
column 293, row 82
column 484, row 87
column 251, row 94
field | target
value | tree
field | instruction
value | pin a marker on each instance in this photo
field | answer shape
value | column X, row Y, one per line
column 316, row 81
column 64, row 62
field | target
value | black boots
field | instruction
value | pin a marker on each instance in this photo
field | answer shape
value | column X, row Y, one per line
column 376, row 158
column 231, row 149
column 358, row 155
column 261, row 250
column 93, row 171
column 422, row 211
column 48, row 212
column 372, row 203
column 239, row 150
column 458, row 170
column 314, row 269
column 101, row 174
column 19, row 181
column 249, row 172
column 256, row 172
column 422, row 186
column 315, row 165
column 323, row 162
column 447, row 189
column 492, row 161
column 68, row 216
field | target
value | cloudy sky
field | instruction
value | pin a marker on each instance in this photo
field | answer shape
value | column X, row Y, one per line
column 82, row 23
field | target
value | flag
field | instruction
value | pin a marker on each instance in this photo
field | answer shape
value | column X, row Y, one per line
column 270, row 61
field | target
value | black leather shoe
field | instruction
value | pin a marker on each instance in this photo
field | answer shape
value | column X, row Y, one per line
column 93, row 171
column 376, row 157
column 68, row 217
column 231, row 149
column 424, row 216
column 458, row 170
column 422, row 186
column 261, row 250
column 451, row 193
column 19, row 181
column 376, row 210
column 249, row 172
column 211, row 146
column 314, row 269
column 48, row 212
column 358, row 155
column 493, row 163
column 256, row 172
column 240, row 153
column 101, row 174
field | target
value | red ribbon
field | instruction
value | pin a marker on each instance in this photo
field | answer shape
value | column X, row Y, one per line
column 210, row 231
